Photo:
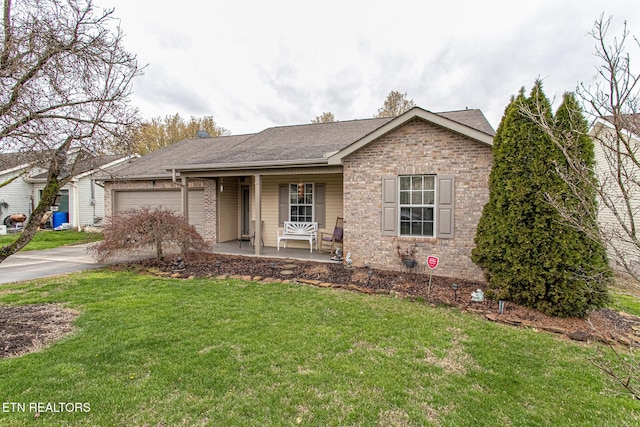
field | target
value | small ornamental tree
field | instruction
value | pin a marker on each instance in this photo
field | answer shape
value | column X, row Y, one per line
column 529, row 254
column 137, row 229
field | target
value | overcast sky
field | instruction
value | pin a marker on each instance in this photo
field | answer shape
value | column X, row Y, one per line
column 255, row 64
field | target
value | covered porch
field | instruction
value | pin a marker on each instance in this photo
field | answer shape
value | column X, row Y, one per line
column 240, row 204
column 245, row 249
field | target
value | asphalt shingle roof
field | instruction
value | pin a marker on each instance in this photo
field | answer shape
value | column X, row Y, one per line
column 276, row 145
column 10, row 160
column 89, row 164
column 473, row 118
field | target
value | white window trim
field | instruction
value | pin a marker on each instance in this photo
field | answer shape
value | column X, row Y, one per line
column 313, row 199
column 445, row 206
column 434, row 206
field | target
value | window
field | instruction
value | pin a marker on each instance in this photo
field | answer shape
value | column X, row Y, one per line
column 425, row 204
column 301, row 202
column 417, row 205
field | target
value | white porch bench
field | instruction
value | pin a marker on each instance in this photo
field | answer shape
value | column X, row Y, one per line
column 299, row 231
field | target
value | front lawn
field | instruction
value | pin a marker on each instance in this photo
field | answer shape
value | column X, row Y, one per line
column 158, row 351
column 626, row 295
column 49, row 239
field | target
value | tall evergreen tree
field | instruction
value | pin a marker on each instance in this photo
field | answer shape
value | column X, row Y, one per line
column 591, row 269
column 529, row 255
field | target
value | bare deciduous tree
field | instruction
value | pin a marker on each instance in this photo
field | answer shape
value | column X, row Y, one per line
column 161, row 132
column 65, row 81
column 395, row 104
column 327, row 117
column 612, row 102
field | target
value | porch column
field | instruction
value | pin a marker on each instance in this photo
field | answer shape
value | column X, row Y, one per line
column 184, row 192
column 258, row 206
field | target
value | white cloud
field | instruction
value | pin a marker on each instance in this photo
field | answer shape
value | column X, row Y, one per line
column 256, row 64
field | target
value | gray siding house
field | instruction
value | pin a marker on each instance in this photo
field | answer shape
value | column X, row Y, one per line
column 619, row 214
column 82, row 199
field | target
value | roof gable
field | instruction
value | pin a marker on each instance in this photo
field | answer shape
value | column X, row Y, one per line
column 38, row 160
column 459, row 126
column 88, row 165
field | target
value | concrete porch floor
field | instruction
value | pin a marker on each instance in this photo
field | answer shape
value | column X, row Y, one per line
column 234, row 248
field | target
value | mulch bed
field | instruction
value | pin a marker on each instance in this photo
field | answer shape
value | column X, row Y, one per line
column 603, row 325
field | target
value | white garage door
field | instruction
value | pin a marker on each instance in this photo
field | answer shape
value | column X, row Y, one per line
column 125, row 200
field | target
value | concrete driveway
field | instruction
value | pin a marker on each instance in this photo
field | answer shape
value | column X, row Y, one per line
column 47, row 262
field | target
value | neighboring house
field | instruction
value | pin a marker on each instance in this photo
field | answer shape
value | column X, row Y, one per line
column 82, row 198
column 614, row 174
column 15, row 197
column 420, row 178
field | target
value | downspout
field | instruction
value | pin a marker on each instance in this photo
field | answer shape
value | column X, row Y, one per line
column 93, row 199
column 76, row 206
column 184, row 193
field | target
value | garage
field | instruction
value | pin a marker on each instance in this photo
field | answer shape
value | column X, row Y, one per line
column 171, row 199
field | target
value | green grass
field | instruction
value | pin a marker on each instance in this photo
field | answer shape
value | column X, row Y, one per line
column 156, row 351
column 625, row 302
column 47, row 239
column 625, row 295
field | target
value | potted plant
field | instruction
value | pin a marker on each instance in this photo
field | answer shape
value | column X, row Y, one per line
column 408, row 255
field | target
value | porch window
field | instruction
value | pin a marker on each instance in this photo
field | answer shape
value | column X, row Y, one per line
column 417, row 205
column 301, row 202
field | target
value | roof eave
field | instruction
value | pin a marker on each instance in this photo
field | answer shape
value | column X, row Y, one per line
column 402, row 119
column 249, row 165
column 32, row 180
column 14, row 169
column 604, row 123
column 134, row 177
column 103, row 168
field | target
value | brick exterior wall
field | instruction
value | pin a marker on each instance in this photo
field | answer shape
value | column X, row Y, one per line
column 210, row 211
column 416, row 148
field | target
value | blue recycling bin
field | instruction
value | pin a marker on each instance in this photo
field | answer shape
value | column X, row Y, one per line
column 60, row 218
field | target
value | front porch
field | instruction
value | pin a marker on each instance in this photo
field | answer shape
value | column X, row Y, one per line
column 240, row 203
column 234, row 248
